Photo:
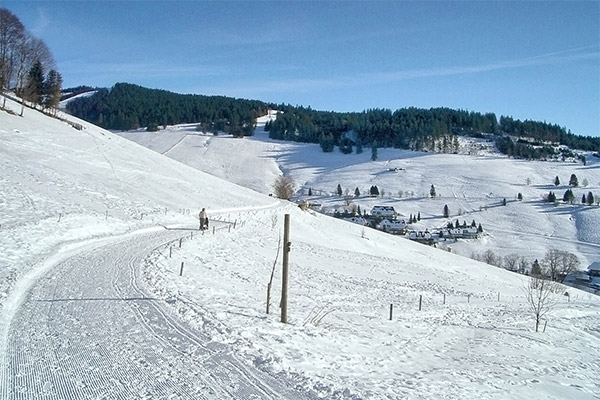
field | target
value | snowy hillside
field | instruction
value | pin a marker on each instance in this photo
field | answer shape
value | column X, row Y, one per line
column 182, row 314
column 473, row 186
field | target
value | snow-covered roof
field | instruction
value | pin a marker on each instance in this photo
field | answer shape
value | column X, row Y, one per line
column 595, row 266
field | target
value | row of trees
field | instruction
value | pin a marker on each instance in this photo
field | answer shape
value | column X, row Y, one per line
column 127, row 106
column 555, row 265
column 569, row 197
column 24, row 60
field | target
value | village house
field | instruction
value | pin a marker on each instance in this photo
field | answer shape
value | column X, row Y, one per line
column 384, row 212
column 392, row 226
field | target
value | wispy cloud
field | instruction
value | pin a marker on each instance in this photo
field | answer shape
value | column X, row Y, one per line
column 380, row 78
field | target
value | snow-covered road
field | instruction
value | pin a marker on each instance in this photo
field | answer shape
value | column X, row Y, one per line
column 87, row 329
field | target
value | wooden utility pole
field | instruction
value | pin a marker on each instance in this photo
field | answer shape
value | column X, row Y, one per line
column 284, row 280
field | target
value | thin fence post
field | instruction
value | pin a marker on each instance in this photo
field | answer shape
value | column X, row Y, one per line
column 170, row 251
column 180, row 240
column 192, row 235
column 469, row 299
column 545, row 323
column 391, row 311
column 213, row 230
column 420, row 301
column 234, row 223
column 444, row 298
column 498, row 297
column 181, row 270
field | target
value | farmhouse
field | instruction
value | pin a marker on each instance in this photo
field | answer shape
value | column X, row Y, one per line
column 384, row 211
column 392, row 226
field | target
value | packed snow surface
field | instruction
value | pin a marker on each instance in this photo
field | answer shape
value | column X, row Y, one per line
column 109, row 290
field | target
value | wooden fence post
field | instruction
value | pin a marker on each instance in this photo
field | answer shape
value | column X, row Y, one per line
column 284, row 280
column 420, row 301
column 181, row 270
column 391, row 311
column 180, row 240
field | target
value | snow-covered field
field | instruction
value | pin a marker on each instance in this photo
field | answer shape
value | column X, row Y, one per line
column 96, row 303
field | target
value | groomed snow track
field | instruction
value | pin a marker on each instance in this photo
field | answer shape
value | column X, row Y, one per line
column 86, row 330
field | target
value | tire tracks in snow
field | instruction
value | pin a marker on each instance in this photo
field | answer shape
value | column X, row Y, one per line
column 86, row 329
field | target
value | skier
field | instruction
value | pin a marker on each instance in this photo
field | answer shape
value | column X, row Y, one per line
column 203, row 219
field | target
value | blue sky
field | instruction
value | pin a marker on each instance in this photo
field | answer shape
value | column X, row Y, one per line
column 529, row 60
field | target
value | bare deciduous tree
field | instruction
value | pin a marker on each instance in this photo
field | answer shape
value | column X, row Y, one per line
column 541, row 297
column 511, row 262
column 284, row 187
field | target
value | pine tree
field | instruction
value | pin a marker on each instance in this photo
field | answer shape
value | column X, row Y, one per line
column 569, row 197
column 446, row 211
column 35, row 84
column 310, row 191
column 52, row 89
column 551, row 197
column 374, row 151
column 556, row 181
column 432, row 191
column 583, row 199
column 536, row 270
column 520, row 197
column 356, row 192
column 339, row 190
column 573, row 181
column 374, row 191
column 590, row 198
column 480, row 228
column 418, row 216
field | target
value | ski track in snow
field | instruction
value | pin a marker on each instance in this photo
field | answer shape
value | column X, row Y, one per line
column 88, row 330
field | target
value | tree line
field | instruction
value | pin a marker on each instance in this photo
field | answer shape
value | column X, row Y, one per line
column 27, row 66
column 127, row 106
column 435, row 129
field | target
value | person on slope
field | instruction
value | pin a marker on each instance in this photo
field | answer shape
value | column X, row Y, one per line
column 203, row 219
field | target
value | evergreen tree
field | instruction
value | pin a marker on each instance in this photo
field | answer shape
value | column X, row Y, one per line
column 34, row 86
column 310, row 191
column 480, row 228
column 52, row 89
column 473, row 224
column 359, row 145
column 556, row 181
column 504, row 201
column 418, row 216
column 374, row 151
column 583, row 199
column 432, row 192
column 446, row 211
column 536, row 270
column 520, row 197
column 573, row 182
column 374, row 191
column 590, row 198
column 339, row 190
column 569, row 197
column 551, row 197
column 356, row 192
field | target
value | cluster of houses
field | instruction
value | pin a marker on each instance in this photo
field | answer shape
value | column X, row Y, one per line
column 585, row 280
column 385, row 219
